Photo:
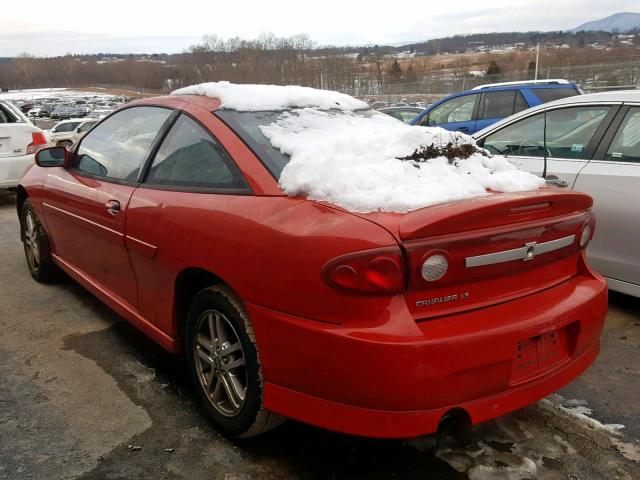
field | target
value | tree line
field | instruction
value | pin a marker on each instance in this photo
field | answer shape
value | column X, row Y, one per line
column 290, row 60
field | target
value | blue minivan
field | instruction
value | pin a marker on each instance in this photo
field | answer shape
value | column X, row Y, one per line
column 475, row 109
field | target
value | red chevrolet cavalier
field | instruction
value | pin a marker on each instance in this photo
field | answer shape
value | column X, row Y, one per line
column 376, row 324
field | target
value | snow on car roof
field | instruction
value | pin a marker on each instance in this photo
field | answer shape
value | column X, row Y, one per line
column 254, row 98
column 355, row 160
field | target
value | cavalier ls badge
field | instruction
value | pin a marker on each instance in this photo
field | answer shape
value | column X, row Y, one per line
column 445, row 299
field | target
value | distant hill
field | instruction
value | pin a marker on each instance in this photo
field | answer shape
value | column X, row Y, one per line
column 618, row 22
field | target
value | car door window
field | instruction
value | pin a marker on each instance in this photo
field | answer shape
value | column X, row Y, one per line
column 65, row 127
column 191, row 158
column 500, row 104
column 523, row 138
column 458, row 109
column 625, row 146
column 568, row 132
column 118, row 147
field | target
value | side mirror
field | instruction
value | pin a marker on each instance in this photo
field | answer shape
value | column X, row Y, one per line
column 52, row 157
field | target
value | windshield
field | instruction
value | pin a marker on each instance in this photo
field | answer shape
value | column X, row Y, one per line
column 247, row 126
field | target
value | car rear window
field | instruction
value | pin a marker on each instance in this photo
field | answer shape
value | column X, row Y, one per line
column 550, row 94
column 247, row 127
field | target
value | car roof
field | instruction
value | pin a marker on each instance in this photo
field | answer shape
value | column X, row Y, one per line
column 617, row 96
column 526, row 84
column 177, row 101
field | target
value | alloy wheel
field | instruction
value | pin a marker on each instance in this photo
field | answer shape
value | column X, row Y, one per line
column 220, row 363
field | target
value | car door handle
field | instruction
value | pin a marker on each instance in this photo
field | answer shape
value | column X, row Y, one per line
column 113, row 207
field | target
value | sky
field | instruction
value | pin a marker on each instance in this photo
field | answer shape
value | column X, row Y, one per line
column 129, row 26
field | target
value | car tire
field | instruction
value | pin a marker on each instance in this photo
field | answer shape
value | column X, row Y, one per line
column 223, row 363
column 37, row 247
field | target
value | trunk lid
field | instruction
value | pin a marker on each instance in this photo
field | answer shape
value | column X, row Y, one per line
column 498, row 247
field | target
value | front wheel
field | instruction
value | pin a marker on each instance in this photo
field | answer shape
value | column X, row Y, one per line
column 223, row 362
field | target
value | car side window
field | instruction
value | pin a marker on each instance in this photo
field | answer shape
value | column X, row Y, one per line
column 550, row 94
column 191, row 158
column 569, row 130
column 568, row 133
column 118, row 147
column 458, row 109
column 625, row 146
column 5, row 117
column 65, row 127
column 498, row 104
column 523, row 138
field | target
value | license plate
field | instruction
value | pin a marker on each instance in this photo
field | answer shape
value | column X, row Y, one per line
column 539, row 354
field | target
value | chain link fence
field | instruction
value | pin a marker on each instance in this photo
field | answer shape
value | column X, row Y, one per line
column 592, row 78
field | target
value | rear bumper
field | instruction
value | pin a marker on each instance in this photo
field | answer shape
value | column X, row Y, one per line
column 12, row 169
column 371, row 382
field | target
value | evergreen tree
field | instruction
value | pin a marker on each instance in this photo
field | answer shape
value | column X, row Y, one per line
column 395, row 72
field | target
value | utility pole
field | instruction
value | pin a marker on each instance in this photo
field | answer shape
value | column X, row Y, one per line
column 537, row 58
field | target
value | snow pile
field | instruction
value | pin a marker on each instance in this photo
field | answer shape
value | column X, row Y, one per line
column 351, row 159
column 254, row 98
column 579, row 410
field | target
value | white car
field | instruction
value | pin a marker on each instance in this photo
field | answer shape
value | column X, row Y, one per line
column 62, row 134
column 19, row 141
column 589, row 143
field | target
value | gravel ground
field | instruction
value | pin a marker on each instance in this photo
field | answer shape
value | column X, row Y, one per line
column 83, row 395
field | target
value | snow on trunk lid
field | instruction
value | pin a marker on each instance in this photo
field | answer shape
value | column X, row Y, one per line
column 367, row 162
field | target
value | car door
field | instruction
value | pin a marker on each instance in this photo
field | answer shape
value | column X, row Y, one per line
column 566, row 137
column 612, row 178
column 188, row 202
column 455, row 114
column 85, row 206
column 494, row 106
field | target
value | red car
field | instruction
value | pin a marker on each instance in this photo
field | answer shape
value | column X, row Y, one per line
column 378, row 324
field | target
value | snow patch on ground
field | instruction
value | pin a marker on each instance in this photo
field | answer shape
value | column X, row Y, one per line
column 351, row 159
column 523, row 445
column 504, row 449
column 578, row 410
column 254, row 98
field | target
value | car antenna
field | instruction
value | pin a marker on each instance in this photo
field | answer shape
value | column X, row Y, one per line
column 544, row 146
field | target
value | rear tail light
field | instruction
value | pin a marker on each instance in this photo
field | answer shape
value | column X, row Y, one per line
column 373, row 272
column 38, row 142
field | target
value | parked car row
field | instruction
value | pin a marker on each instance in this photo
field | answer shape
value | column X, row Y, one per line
column 79, row 106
